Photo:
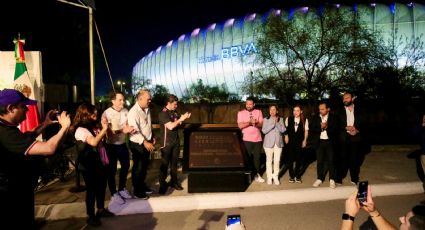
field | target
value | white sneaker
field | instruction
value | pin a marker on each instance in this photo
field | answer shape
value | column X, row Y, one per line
column 332, row 184
column 269, row 180
column 259, row 179
column 125, row 194
column 317, row 183
column 117, row 199
column 276, row 180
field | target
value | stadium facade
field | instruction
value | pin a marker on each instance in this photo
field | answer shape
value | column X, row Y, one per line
column 224, row 53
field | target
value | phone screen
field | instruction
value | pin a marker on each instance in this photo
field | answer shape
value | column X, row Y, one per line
column 233, row 219
column 362, row 192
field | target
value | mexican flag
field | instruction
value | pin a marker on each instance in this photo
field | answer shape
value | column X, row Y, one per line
column 24, row 84
column 20, row 68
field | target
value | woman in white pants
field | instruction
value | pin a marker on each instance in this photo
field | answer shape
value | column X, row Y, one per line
column 273, row 128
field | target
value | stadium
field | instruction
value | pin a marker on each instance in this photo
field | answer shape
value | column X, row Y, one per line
column 224, row 53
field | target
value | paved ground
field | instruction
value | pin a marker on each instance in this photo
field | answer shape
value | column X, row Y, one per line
column 384, row 165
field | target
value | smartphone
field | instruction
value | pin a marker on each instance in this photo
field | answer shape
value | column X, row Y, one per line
column 362, row 192
column 233, row 219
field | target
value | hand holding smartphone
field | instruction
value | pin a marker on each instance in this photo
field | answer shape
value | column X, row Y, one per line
column 233, row 219
column 362, row 192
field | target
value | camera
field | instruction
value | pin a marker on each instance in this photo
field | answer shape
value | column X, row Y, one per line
column 362, row 192
column 233, row 219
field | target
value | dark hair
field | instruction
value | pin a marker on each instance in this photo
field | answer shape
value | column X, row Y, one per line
column 302, row 118
column 324, row 103
column 348, row 92
column 82, row 117
column 250, row 99
column 3, row 109
column 171, row 98
column 113, row 94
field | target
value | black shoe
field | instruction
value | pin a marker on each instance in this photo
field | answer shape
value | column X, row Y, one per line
column 177, row 187
column 104, row 213
column 94, row 221
column 163, row 189
column 141, row 196
column 148, row 190
column 39, row 223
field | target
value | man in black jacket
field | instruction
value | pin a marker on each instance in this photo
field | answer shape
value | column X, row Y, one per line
column 324, row 129
column 352, row 136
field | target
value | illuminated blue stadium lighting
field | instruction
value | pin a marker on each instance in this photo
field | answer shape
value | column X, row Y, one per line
column 291, row 14
column 392, row 8
column 321, row 10
column 229, row 22
column 212, row 27
column 181, row 38
column 195, row 32
column 227, row 55
column 304, row 9
column 277, row 12
column 250, row 17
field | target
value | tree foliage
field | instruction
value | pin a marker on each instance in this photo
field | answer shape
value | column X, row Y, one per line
column 159, row 94
column 201, row 93
column 310, row 53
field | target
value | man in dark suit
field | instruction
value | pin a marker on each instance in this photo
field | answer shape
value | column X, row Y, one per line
column 324, row 131
column 352, row 136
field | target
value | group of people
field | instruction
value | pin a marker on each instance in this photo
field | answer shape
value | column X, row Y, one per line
column 99, row 145
column 338, row 139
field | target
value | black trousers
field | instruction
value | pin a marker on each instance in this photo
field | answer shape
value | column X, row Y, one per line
column 351, row 159
column 170, row 156
column 325, row 160
column 117, row 152
column 141, row 158
column 295, row 155
column 254, row 152
column 95, row 178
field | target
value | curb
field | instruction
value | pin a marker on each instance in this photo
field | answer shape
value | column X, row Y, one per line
column 225, row 200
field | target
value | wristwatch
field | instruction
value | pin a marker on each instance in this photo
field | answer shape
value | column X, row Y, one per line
column 345, row 216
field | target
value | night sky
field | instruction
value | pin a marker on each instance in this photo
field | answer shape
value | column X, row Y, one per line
column 128, row 31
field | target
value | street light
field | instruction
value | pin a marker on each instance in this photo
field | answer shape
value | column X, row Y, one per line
column 121, row 83
column 90, row 8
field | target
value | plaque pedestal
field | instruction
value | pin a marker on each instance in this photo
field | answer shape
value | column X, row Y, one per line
column 218, row 181
column 215, row 160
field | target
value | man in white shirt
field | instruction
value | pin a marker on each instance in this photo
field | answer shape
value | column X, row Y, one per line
column 324, row 134
column 141, row 142
column 116, row 146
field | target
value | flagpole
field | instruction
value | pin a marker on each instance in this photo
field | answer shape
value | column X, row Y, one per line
column 92, row 89
column 91, row 55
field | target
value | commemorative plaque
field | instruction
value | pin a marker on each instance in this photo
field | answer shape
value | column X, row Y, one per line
column 215, row 160
column 212, row 149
